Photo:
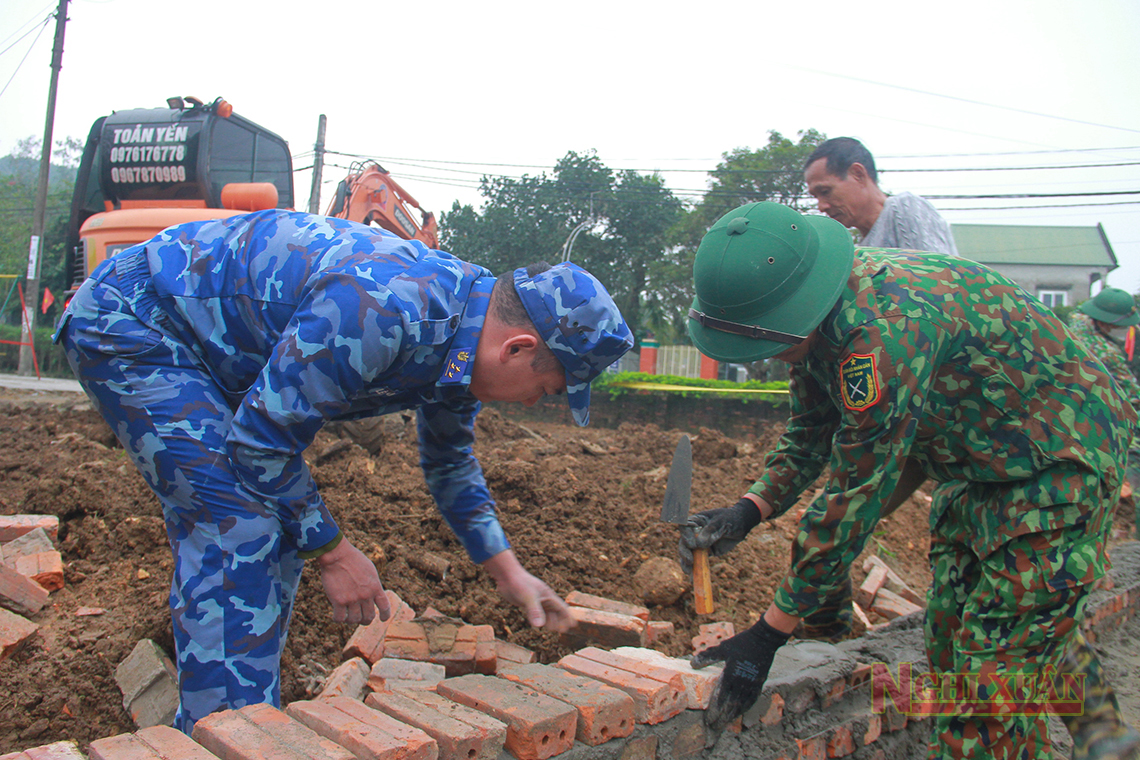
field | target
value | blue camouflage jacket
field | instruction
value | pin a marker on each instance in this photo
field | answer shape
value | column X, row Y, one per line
column 303, row 319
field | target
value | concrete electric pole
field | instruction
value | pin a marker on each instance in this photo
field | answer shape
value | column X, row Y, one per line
column 35, row 249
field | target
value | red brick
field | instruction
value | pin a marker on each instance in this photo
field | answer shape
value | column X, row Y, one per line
column 874, row 729
column 775, row 711
column 21, row 594
column 32, row 542
column 639, row 667
column 841, row 743
column 890, row 605
column 261, row 732
column 604, row 712
column 834, row 692
column 367, row 640
column 699, row 684
column 814, row 748
column 640, row 748
column 349, row 679
column 45, row 568
column 491, row 730
column 406, row 640
column 538, row 726
column 14, row 526
column 711, row 634
column 607, row 629
column 368, row 733
column 66, row 750
column 874, row 581
column 388, row 669
column 589, row 601
column 507, row 653
column 14, row 631
column 862, row 615
column 654, row 700
column 456, row 739
column 894, row 582
column 657, row 631
column 154, row 743
column 859, row 676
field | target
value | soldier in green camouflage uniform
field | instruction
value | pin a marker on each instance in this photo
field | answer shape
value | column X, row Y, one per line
column 906, row 367
column 1093, row 323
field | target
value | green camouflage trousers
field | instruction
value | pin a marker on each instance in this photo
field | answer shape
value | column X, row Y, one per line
column 1014, row 612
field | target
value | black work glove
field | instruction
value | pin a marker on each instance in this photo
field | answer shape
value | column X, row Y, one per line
column 747, row 659
column 718, row 530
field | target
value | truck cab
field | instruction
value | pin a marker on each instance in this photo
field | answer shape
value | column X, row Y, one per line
column 147, row 169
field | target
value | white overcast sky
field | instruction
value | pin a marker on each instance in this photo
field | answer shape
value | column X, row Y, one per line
column 443, row 92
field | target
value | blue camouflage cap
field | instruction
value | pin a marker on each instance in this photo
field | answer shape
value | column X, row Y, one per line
column 575, row 315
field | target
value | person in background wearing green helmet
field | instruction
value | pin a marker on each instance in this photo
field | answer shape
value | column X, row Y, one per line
column 1093, row 322
column 907, row 366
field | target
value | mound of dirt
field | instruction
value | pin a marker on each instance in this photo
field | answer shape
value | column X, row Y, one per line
column 580, row 505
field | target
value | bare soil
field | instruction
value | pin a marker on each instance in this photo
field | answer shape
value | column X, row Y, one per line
column 581, row 506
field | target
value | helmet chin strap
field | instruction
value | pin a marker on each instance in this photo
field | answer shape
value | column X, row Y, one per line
column 748, row 331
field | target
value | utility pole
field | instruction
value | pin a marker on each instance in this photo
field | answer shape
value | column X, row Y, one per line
column 35, row 249
column 318, row 167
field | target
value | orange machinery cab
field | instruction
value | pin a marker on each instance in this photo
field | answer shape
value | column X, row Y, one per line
column 144, row 170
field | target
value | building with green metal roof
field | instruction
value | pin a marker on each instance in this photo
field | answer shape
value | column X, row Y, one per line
column 1060, row 265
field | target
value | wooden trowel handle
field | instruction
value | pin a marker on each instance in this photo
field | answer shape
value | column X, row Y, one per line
column 702, row 582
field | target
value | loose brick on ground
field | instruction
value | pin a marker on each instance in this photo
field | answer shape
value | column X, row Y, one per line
column 606, row 629
column 604, row 712
column 262, row 732
column 865, row 595
column 890, row 605
column 699, row 684
column 492, row 730
column 894, row 582
column 457, row 740
column 538, row 726
column 507, row 653
column 21, row 594
column 154, row 743
column 32, row 542
column 367, row 641
column 657, row 631
column 14, row 526
column 45, row 568
column 589, row 601
column 368, row 733
column 149, row 684
column 14, row 631
column 349, row 679
column 67, row 750
column 389, row 673
column 654, row 700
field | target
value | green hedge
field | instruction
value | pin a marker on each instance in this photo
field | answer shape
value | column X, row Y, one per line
column 52, row 361
column 608, row 383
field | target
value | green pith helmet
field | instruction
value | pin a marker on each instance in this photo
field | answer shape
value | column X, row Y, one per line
column 765, row 276
column 1112, row 305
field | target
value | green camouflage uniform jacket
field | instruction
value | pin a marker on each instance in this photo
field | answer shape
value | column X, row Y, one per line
column 1109, row 354
column 948, row 363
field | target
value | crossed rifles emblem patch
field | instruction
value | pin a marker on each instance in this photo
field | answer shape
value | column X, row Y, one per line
column 859, row 377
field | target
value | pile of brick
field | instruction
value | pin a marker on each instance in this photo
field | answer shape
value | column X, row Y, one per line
column 30, row 569
column 429, row 687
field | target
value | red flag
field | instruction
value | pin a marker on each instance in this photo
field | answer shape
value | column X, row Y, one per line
column 49, row 299
column 1130, row 342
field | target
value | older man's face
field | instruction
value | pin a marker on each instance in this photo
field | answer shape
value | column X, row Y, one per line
column 843, row 199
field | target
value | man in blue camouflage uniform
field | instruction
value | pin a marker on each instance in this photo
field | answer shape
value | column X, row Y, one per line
column 907, row 366
column 218, row 349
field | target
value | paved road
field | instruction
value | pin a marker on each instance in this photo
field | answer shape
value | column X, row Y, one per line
column 54, row 384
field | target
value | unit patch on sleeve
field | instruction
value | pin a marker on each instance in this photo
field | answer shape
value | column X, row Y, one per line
column 859, row 378
column 457, row 362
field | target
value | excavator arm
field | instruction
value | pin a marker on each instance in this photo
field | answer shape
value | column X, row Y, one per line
column 370, row 195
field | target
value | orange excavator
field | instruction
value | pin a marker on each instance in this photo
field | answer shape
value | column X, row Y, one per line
column 144, row 170
column 370, row 195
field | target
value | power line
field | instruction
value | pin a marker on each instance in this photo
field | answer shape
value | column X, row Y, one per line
column 25, row 58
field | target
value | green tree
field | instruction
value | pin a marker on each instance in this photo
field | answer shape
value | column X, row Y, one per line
column 19, row 174
column 620, row 225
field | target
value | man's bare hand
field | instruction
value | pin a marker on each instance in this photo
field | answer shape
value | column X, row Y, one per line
column 543, row 607
column 352, row 585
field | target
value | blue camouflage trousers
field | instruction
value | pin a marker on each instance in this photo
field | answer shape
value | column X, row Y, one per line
column 235, row 570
